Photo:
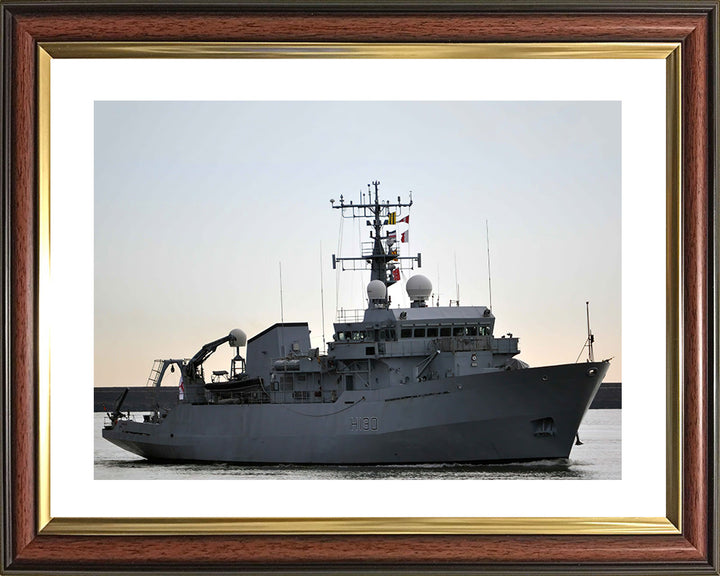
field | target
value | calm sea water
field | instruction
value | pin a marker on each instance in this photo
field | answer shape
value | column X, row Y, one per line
column 598, row 458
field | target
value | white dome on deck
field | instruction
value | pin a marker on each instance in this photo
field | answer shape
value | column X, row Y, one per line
column 376, row 290
column 418, row 287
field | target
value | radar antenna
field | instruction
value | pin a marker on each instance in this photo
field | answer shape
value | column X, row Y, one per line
column 382, row 252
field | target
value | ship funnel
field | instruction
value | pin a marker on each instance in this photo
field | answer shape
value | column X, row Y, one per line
column 418, row 289
column 377, row 291
column 238, row 338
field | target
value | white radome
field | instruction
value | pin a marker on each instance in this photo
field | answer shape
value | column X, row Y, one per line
column 238, row 338
column 418, row 287
column 376, row 290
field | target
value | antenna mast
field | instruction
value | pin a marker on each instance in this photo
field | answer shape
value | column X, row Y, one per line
column 590, row 338
column 457, row 286
column 322, row 298
column 382, row 253
column 437, row 302
column 487, row 238
column 282, row 314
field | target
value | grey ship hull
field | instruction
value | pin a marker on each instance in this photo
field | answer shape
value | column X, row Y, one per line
column 497, row 416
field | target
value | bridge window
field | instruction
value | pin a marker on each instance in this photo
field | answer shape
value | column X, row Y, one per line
column 405, row 333
column 419, row 333
column 459, row 331
column 388, row 334
column 432, row 332
column 471, row 331
column 445, row 331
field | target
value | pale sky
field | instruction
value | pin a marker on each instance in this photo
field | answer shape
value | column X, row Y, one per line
column 198, row 203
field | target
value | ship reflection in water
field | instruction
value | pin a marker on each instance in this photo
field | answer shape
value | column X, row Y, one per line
column 598, row 458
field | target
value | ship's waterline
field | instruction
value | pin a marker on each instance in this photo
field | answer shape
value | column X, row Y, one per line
column 531, row 413
column 599, row 457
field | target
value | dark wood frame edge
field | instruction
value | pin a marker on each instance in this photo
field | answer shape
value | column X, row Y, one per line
column 25, row 23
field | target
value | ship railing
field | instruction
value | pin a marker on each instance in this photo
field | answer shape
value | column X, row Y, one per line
column 505, row 345
column 246, row 397
column 462, row 343
column 127, row 416
column 352, row 366
column 367, row 248
column 304, row 396
column 350, row 315
column 277, row 396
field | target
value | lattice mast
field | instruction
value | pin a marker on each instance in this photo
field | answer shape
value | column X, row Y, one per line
column 382, row 259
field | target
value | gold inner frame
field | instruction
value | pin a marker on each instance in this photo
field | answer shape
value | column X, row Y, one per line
column 670, row 52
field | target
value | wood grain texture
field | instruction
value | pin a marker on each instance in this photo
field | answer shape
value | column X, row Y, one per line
column 362, row 28
column 22, row 293
column 688, row 552
column 221, row 552
column 696, row 199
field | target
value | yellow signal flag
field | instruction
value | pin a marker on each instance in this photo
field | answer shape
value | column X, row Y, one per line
column 392, row 218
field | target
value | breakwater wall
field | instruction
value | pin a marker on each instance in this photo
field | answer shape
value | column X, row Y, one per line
column 139, row 398
column 609, row 396
column 143, row 399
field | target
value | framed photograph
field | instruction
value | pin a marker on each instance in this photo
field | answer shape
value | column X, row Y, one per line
column 86, row 85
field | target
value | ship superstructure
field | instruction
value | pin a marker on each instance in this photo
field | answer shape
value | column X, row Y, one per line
column 396, row 385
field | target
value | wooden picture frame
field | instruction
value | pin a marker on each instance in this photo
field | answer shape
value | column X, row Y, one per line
column 30, row 545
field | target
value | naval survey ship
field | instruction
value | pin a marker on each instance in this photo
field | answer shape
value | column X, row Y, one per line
column 421, row 384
